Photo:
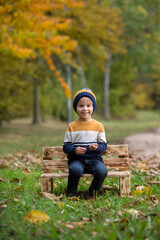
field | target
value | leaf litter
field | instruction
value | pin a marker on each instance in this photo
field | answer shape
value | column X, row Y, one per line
column 24, row 161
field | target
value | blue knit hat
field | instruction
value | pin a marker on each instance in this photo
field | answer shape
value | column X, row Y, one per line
column 85, row 92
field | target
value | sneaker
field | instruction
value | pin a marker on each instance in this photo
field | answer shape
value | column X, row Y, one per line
column 91, row 198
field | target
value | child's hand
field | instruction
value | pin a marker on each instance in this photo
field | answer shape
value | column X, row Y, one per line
column 93, row 146
column 80, row 150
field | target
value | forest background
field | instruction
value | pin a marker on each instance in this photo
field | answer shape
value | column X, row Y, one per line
column 50, row 49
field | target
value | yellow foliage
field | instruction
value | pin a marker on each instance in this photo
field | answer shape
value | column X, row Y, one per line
column 36, row 217
column 141, row 10
column 26, row 30
column 146, row 190
column 141, row 96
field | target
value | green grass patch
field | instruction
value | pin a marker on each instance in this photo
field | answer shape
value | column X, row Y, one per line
column 109, row 217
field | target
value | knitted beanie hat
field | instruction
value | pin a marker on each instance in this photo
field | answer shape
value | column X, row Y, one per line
column 85, row 92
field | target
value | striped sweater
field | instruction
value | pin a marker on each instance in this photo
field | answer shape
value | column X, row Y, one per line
column 83, row 134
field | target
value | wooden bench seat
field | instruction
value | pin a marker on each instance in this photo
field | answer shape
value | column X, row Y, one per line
column 115, row 158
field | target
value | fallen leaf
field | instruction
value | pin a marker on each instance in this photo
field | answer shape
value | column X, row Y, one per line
column 86, row 219
column 19, row 155
column 50, row 196
column 16, row 199
column 154, row 182
column 68, row 225
column 124, row 220
column 26, row 170
column 36, row 217
column 142, row 190
column 134, row 213
column 4, row 202
column 107, row 221
column 14, row 180
column 4, row 163
column 19, row 188
column 9, row 156
column 1, row 180
column 108, row 187
column 154, row 200
column 3, row 206
column 74, row 224
column 154, row 172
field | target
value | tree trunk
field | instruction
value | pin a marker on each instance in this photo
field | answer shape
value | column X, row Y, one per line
column 35, row 102
column 83, row 77
column 106, row 87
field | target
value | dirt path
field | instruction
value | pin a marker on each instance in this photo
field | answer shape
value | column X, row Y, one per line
column 144, row 151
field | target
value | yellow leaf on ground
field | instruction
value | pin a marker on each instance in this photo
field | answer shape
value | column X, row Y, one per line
column 60, row 205
column 146, row 190
column 36, row 217
column 19, row 188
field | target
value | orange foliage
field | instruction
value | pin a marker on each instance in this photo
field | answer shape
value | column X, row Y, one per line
column 30, row 27
column 60, row 78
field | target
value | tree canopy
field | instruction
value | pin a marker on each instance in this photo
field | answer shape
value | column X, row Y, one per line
column 114, row 40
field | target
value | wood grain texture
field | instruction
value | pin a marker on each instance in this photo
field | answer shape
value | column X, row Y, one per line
column 112, row 150
column 64, row 175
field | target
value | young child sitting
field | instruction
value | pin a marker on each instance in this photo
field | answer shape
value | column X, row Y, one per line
column 84, row 143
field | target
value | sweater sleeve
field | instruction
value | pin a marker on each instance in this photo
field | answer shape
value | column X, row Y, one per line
column 102, row 143
column 101, row 147
column 68, row 146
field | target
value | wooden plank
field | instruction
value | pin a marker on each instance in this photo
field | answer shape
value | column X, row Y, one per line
column 49, row 152
column 55, row 162
column 115, row 161
column 62, row 175
column 125, row 187
column 117, row 150
column 112, row 150
column 51, row 169
column 106, row 161
column 59, row 164
column 65, row 166
column 62, row 167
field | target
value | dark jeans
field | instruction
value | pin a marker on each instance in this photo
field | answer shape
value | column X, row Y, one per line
column 77, row 168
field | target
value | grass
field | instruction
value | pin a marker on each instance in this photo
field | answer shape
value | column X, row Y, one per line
column 20, row 135
column 107, row 217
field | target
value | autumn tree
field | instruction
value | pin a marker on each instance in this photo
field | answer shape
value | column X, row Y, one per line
column 29, row 29
column 98, row 30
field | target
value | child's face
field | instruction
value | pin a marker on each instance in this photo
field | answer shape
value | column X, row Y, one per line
column 85, row 109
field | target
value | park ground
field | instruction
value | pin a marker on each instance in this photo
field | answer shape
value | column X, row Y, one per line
column 109, row 217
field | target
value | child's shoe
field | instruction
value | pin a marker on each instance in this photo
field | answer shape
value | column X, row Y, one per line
column 91, row 198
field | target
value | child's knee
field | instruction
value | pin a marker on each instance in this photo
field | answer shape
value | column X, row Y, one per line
column 102, row 172
column 75, row 171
